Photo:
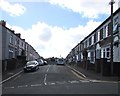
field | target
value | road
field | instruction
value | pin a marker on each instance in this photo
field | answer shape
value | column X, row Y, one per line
column 56, row 79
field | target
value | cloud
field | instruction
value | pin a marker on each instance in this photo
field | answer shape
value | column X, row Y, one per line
column 45, row 35
column 13, row 9
column 87, row 8
column 52, row 41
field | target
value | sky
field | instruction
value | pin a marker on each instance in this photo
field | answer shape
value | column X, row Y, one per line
column 54, row 27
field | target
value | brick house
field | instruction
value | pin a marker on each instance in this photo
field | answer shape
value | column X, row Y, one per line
column 14, row 48
column 94, row 50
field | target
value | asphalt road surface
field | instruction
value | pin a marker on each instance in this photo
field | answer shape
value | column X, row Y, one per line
column 56, row 79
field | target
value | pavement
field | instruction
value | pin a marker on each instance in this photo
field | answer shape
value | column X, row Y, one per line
column 10, row 74
column 90, row 74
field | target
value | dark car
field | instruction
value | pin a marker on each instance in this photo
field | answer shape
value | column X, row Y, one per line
column 31, row 66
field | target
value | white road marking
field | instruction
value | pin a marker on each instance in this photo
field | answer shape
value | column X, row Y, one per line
column 11, row 77
column 62, row 82
column 9, row 87
column 51, row 83
column 84, row 81
column 35, row 85
column 73, row 81
column 101, row 81
column 48, row 68
column 22, row 86
column 45, row 79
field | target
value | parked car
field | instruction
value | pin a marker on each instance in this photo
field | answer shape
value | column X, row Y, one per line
column 31, row 66
column 45, row 62
column 60, row 61
column 40, row 62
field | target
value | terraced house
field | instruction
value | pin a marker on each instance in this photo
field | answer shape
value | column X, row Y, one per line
column 15, row 50
column 93, row 52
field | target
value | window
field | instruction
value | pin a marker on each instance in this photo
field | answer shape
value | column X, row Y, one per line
column 95, row 38
column 90, row 41
column 92, row 56
column 21, row 44
column 10, row 54
column 105, row 52
column 97, row 54
column 85, row 44
column 11, row 39
column 15, row 41
column 105, row 33
column 116, row 21
column 108, row 52
column 115, row 28
column 106, row 29
column 109, row 29
column 101, row 34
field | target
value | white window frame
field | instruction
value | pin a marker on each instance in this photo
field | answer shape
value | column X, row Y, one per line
column 104, row 52
column 105, row 31
column 98, row 36
column 92, row 40
column 11, row 39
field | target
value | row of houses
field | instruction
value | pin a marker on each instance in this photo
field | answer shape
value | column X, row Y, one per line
column 95, row 49
column 14, row 48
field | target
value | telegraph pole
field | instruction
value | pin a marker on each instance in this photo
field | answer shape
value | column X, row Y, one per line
column 111, row 60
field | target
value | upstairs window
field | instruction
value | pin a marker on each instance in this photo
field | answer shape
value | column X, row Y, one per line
column 115, row 28
column 95, row 38
column 101, row 34
column 11, row 39
column 116, row 21
column 109, row 29
column 90, row 41
column 105, row 33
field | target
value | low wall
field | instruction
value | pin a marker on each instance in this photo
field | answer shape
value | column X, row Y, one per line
column 11, row 64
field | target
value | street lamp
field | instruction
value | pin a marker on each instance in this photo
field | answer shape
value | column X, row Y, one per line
column 111, row 3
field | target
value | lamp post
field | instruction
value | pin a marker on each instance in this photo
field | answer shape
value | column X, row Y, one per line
column 111, row 3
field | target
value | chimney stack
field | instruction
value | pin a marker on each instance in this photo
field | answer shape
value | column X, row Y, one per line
column 3, row 23
column 18, row 34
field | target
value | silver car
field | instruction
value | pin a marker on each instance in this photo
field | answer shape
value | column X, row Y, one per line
column 40, row 62
column 31, row 66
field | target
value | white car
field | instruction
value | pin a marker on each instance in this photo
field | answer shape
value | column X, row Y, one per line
column 60, row 62
column 31, row 66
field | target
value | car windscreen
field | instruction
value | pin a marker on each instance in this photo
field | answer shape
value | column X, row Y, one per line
column 30, row 63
